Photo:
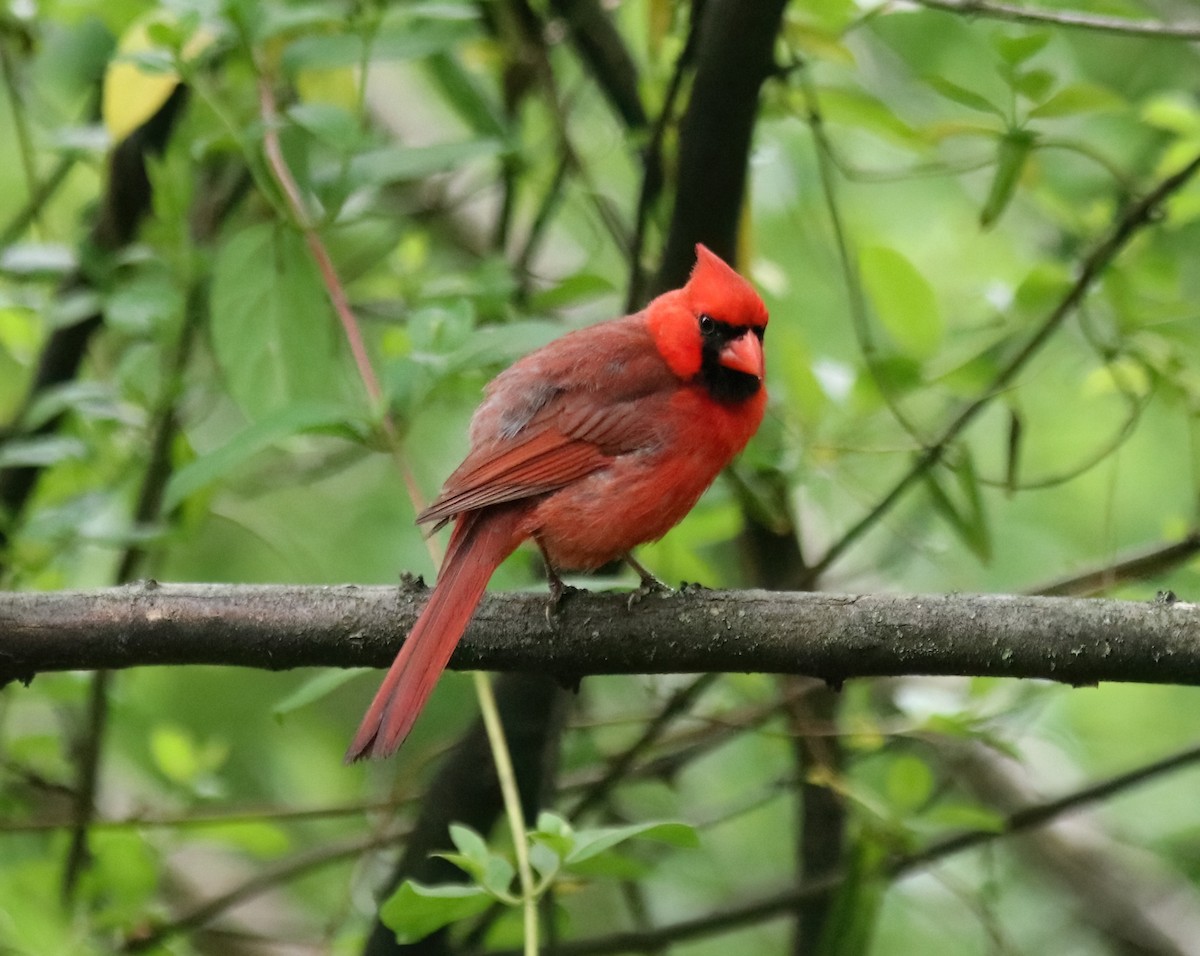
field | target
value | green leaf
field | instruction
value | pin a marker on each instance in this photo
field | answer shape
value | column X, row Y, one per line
column 1077, row 98
column 581, row 287
column 498, row 876
column 466, row 97
column 1041, row 288
column 294, row 420
column 272, row 20
column 1123, row 375
column 175, row 754
column 323, row 52
column 40, row 452
column 551, row 824
column 38, row 258
column 963, row 96
column 96, row 401
column 406, row 39
column 470, row 844
column 1034, row 85
column 1018, row 48
column 544, row 860
column 331, row 124
column 966, row 816
column 909, row 784
column 146, row 300
column 414, row 911
column 399, row 163
column 611, row 865
column 589, row 843
column 855, row 107
column 1176, row 112
column 314, row 689
column 968, row 518
column 125, row 870
column 1012, row 152
column 272, row 325
column 555, row 834
column 501, row 344
column 903, row 300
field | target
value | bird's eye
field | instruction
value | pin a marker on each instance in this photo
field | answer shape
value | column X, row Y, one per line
column 708, row 325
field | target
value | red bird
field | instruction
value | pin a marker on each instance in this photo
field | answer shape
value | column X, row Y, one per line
column 598, row 442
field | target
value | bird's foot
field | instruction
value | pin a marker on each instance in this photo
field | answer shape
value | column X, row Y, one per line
column 559, row 593
column 650, row 585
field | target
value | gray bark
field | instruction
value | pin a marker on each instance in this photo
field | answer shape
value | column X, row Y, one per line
column 831, row 636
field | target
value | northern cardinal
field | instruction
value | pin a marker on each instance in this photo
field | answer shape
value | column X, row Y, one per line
column 598, row 442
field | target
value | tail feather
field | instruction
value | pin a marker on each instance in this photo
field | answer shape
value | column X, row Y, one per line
column 479, row 543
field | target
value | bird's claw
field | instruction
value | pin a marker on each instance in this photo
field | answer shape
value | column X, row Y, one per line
column 559, row 593
column 650, row 585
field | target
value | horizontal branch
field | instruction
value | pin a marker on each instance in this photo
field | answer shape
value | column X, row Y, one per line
column 831, row 636
column 999, row 10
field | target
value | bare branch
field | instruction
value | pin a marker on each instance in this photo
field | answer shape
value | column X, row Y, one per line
column 832, row 636
column 1151, row 29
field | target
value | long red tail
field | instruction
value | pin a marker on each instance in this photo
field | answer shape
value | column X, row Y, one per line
column 479, row 543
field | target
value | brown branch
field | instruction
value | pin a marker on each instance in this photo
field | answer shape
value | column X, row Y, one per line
column 1149, row 29
column 1136, row 567
column 735, row 50
column 603, row 51
column 147, row 511
column 831, row 636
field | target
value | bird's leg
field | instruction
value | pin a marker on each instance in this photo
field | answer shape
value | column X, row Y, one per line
column 558, row 589
column 649, row 581
column 650, row 584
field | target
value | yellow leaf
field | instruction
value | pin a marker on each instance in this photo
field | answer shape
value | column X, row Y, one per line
column 134, row 90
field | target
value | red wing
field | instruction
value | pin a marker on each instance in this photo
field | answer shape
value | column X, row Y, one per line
column 560, row 414
column 542, row 459
column 547, row 461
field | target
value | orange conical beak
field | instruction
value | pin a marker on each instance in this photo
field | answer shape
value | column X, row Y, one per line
column 744, row 354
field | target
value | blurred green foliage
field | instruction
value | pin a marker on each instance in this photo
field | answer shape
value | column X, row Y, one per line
column 925, row 188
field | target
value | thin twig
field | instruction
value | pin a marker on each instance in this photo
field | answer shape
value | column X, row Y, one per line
column 223, row 818
column 847, row 258
column 147, row 511
column 1137, row 215
column 340, row 301
column 1039, row 814
column 285, row 870
column 330, row 279
column 1148, row 29
column 42, row 193
column 619, row 766
column 785, row 902
column 20, row 121
column 1137, row 567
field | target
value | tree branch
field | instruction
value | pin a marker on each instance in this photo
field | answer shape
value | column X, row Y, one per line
column 1151, row 29
column 734, row 57
column 1135, row 217
column 831, row 636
